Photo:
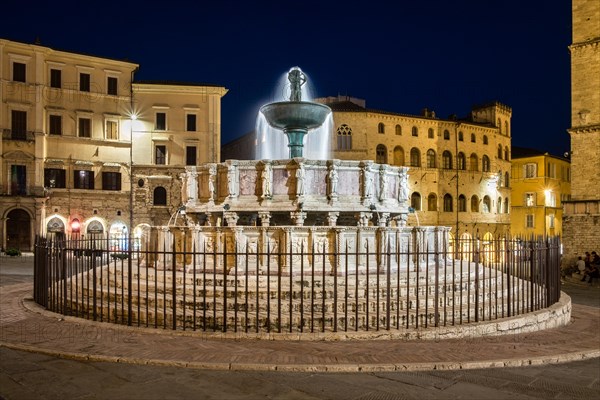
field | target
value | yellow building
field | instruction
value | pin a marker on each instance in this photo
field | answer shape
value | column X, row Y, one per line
column 67, row 152
column 540, row 182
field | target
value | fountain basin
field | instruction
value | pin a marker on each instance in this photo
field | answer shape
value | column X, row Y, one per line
column 295, row 115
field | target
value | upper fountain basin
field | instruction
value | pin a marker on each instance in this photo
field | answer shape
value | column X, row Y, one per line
column 304, row 115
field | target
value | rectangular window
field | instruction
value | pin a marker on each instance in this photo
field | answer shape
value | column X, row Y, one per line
column 552, row 170
column 551, row 221
column 111, row 181
column 529, row 199
column 56, row 78
column 529, row 221
column 19, row 72
column 530, row 170
column 111, row 85
column 54, row 178
column 190, row 125
column 55, row 125
column 550, row 198
column 83, row 179
column 112, row 130
column 161, row 122
column 18, row 180
column 85, row 127
column 84, row 82
column 18, row 125
column 160, row 155
column 190, row 155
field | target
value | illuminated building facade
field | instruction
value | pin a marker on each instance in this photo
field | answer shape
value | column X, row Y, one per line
column 540, row 183
column 67, row 152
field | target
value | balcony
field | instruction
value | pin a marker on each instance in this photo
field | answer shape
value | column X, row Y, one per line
column 23, row 136
column 19, row 190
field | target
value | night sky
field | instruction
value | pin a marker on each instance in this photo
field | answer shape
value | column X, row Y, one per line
column 443, row 55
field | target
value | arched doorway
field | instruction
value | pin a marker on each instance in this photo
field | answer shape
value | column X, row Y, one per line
column 18, row 230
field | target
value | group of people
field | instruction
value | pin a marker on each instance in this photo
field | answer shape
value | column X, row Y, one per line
column 588, row 266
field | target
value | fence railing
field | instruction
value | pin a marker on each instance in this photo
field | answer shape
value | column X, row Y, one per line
column 295, row 290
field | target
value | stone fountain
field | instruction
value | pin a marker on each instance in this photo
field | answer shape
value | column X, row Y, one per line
column 297, row 202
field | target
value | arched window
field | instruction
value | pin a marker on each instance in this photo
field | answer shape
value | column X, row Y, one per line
column 499, row 206
column 487, row 204
column 506, row 205
column 415, row 201
column 381, row 154
column 485, row 163
column 446, row 134
column 398, row 155
column 381, row 128
column 506, row 154
column 499, row 125
column 344, row 137
column 160, row 196
column 432, row 202
column 506, row 179
column 431, row 158
column 500, row 176
column 461, row 136
column 461, row 163
column 462, row 203
column 474, row 203
column 415, row 131
column 398, row 130
column 415, row 157
column 506, row 132
column 473, row 163
column 485, row 139
column 55, row 225
column 430, row 133
column 95, row 227
column 447, row 160
column 500, row 151
column 473, row 139
column 448, row 202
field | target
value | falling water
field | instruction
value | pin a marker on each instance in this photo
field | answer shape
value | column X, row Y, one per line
column 272, row 144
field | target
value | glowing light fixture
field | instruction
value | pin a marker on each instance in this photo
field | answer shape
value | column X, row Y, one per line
column 75, row 225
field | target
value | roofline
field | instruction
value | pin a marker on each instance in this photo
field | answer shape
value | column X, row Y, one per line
column 73, row 53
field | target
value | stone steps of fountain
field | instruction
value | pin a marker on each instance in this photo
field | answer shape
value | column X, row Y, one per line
column 415, row 303
column 218, row 279
column 485, row 288
column 116, row 297
column 213, row 320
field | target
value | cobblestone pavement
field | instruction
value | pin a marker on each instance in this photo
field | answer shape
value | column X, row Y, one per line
column 43, row 355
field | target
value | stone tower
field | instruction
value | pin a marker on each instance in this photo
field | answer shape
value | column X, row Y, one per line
column 582, row 213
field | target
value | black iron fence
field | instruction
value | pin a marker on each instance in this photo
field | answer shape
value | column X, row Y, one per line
column 295, row 290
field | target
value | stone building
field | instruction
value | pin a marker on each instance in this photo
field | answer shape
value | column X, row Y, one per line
column 67, row 152
column 581, row 226
column 540, row 183
column 459, row 168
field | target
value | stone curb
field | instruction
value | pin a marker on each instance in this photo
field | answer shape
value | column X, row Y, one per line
column 322, row 368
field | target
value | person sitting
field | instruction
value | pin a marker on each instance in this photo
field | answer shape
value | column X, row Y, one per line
column 593, row 272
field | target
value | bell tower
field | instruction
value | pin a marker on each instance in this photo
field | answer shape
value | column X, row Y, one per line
column 582, row 214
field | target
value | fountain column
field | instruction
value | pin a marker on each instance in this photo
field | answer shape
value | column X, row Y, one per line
column 265, row 218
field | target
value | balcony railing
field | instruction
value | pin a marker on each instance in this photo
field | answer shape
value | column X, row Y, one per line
column 24, row 136
column 8, row 189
